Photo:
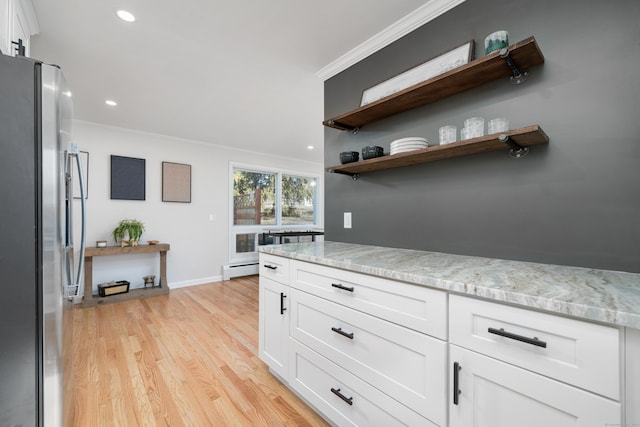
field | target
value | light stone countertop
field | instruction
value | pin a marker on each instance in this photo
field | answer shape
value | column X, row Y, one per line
column 600, row 295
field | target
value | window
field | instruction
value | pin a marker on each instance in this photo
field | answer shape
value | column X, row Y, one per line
column 264, row 199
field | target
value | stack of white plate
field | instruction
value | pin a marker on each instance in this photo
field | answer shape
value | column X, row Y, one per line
column 408, row 144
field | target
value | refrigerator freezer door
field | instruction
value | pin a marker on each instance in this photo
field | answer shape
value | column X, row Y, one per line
column 19, row 265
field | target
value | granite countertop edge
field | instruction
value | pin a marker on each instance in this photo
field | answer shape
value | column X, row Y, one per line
column 605, row 296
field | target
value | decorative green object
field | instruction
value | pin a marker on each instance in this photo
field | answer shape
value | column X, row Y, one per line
column 132, row 229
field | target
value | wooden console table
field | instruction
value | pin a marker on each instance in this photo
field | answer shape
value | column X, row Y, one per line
column 90, row 300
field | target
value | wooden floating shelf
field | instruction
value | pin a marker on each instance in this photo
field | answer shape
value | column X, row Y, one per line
column 524, row 54
column 524, row 137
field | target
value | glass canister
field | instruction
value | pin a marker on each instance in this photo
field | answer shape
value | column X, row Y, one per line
column 448, row 134
column 499, row 124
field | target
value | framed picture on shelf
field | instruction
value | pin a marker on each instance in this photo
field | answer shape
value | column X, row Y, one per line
column 448, row 61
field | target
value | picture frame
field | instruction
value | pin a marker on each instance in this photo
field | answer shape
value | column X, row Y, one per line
column 456, row 57
column 84, row 162
column 176, row 182
column 127, row 178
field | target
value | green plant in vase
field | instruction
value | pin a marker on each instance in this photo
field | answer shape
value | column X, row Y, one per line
column 128, row 232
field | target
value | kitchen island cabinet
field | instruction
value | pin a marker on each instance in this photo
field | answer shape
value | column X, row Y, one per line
column 588, row 320
column 274, row 314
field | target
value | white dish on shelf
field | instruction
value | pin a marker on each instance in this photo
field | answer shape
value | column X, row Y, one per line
column 424, row 145
column 411, row 138
column 404, row 150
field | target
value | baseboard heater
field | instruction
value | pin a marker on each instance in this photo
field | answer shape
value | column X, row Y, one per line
column 239, row 270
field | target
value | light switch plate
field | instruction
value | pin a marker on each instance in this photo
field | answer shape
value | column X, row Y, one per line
column 347, row 220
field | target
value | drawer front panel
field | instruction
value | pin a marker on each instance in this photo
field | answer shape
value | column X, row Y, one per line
column 407, row 365
column 275, row 268
column 416, row 307
column 579, row 353
column 322, row 383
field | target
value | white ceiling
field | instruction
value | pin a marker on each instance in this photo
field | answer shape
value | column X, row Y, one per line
column 240, row 73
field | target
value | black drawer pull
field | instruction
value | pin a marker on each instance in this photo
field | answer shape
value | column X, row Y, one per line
column 533, row 341
column 343, row 333
column 456, row 382
column 341, row 286
column 271, row 267
column 336, row 391
column 282, row 307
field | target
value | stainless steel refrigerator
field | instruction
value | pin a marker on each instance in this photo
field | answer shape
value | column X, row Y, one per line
column 38, row 277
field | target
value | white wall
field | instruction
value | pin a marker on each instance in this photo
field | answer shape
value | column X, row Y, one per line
column 199, row 247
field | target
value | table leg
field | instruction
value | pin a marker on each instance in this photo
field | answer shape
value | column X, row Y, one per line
column 88, row 278
column 163, row 269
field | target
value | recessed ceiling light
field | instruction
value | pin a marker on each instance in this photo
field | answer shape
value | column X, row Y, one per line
column 125, row 16
column 110, row 103
column 310, row 147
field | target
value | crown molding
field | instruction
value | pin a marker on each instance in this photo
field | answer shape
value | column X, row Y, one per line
column 425, row 13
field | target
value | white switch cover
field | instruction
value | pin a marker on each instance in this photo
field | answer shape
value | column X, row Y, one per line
column 347, row 220
column 212, row 217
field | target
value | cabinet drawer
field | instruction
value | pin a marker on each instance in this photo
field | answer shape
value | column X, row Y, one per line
column 314, row 377
column 580, row 353
column 407, row 365
column 416, row 307
column 275, row 268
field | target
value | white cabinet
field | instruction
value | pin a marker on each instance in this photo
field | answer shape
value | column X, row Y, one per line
column 511, row 366
column 17, row 22
column 379, row 341
column 367, row 350
column 273, row 323
column 408, row 366
column 632, row 377
column 496, row 394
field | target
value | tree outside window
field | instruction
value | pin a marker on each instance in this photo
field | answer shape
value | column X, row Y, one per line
column 255, row 198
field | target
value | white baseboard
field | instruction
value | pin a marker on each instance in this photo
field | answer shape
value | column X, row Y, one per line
column 193, row 282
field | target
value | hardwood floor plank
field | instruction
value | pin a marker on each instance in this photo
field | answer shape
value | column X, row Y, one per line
column 184, row 359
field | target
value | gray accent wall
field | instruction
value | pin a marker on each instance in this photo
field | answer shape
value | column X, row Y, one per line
column 573, row 202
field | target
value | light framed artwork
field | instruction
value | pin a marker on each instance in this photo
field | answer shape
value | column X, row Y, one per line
column 84, row 163
column 176, row 182
column 448, row 61
column 127, row 178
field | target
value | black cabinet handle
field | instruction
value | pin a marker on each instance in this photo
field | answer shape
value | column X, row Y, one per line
column 533, row 341
column 343, row 333
column 271, row 267
column 282, row 307
column 336, row 391
column 341, row 286
column 456, row 382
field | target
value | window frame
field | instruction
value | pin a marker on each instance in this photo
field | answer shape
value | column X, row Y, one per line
column 235, row 229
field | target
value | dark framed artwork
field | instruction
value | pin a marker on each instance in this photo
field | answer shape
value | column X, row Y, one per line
column 176, row 182
column 84, row 162
column 127, row 178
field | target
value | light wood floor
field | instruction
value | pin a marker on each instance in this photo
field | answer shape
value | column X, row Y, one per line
column 184, row 359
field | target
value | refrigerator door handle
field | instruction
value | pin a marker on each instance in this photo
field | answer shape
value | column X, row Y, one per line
column 74, row 285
